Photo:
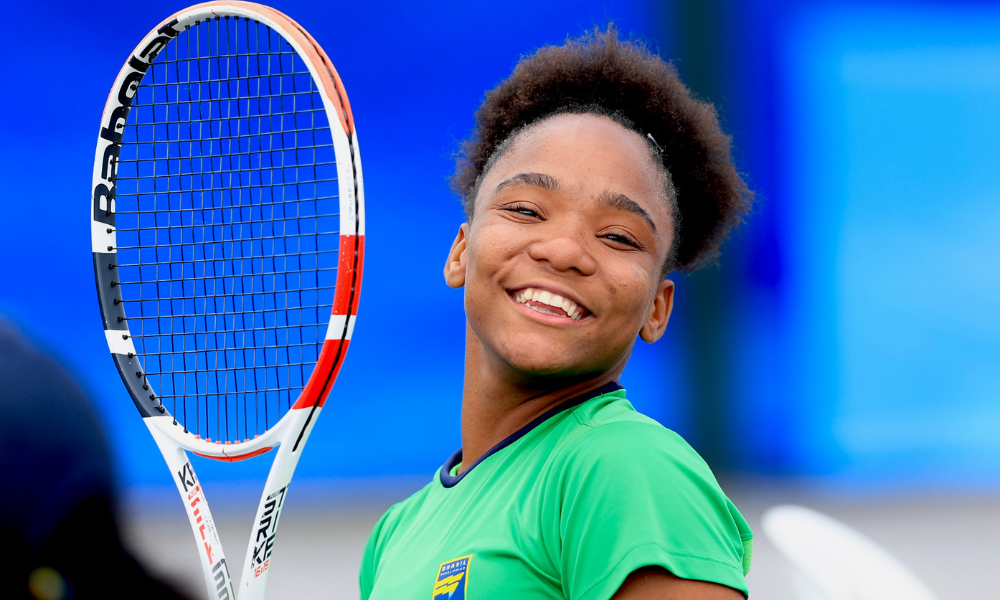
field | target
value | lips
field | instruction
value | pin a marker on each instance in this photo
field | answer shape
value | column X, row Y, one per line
column 549, row 303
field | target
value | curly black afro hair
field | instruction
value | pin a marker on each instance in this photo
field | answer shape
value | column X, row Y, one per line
column 600, row 73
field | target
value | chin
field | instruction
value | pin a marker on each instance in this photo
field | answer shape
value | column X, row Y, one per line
column 544, row 361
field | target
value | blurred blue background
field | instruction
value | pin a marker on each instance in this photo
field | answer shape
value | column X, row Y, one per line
column 850, row 333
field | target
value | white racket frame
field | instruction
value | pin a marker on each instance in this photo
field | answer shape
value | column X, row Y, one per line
column 292, row 430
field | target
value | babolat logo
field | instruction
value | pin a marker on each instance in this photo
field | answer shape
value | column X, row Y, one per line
column 267, row 528
column 112, row 130
column 223, row 583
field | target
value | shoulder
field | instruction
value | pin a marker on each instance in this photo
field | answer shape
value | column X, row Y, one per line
column 396, row 517
column 642, row 467
column 638, row 489
column 612, row 435
column 378, row 539
column 616, row 454
column 398, row 513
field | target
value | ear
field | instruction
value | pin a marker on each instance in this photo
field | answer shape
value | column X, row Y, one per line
column 454, row 268
column 663, row 304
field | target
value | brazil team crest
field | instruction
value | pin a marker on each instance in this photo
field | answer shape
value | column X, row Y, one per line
column 452, row 578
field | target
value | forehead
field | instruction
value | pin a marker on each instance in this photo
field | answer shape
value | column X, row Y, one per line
column 580, row 136
column 589, row 155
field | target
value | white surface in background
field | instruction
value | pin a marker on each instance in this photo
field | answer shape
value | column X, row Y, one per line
column 952, row 542
column 836, row 562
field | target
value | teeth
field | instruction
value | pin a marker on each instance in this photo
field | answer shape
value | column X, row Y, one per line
column 545, row 297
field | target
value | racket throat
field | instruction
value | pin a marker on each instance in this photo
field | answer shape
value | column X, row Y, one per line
column 257, row 563
column 213, row 561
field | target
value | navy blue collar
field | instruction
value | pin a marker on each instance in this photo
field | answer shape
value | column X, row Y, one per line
column 448, row 480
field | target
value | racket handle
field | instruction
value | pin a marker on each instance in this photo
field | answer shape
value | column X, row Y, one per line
column 210, row 555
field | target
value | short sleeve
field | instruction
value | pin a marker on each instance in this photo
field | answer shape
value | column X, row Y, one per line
column 370, row 558
column 634, row 494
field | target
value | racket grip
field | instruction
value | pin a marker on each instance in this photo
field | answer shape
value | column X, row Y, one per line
column 211, row 556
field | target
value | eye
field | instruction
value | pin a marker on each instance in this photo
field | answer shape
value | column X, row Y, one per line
column 620, row 238
column 521, row 209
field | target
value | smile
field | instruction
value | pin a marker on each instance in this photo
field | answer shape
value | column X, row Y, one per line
column 548, row 303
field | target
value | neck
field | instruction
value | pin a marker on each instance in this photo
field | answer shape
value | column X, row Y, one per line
column 497, row 400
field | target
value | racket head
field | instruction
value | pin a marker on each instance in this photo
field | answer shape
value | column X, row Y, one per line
column 227, row 226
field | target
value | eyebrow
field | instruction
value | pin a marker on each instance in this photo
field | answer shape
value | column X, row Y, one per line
column 609, row 199
column 623, row 202
column 540, row 180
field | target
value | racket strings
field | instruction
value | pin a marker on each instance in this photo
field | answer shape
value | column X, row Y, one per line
column 227, row 214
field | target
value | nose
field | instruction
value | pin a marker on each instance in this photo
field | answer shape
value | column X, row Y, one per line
column 564, row 252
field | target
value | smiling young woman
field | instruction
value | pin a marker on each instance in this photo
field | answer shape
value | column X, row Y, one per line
column 592, row 174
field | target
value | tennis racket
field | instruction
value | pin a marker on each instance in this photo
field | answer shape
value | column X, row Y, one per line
column 228, row 239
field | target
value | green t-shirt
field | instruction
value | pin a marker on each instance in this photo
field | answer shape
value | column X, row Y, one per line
column 565, row 508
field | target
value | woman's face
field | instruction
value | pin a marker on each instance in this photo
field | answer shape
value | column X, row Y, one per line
column 562, row 260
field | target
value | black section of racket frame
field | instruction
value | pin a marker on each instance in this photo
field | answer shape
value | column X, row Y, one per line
column 133, row 377
column 113, row 313
column 108, row 290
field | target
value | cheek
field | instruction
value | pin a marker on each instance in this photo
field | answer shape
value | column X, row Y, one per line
column 632, row 291
column 490, row 245
column 488, row 257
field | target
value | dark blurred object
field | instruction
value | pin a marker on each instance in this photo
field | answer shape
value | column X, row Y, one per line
column 699, row 60
column 57, row 503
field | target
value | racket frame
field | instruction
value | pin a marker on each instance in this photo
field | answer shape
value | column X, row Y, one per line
column 290, row 433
